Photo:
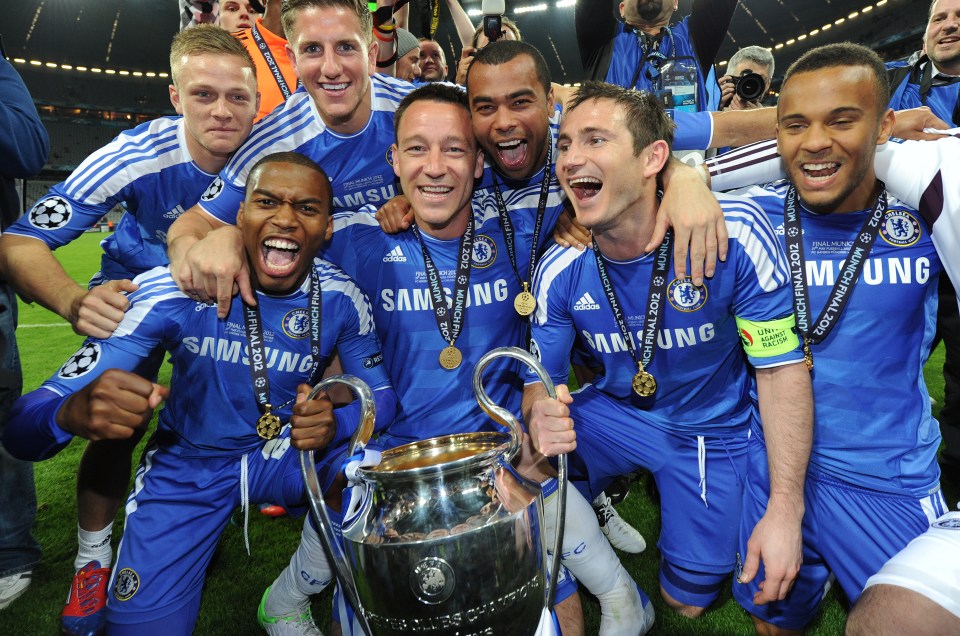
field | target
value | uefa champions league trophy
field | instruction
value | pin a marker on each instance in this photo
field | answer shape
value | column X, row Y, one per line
column 446, row 537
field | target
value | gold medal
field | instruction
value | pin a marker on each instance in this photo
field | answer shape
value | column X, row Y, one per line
column 808, row 356
column 525, row 303
column 268, row 424
column 644, row 384
column 450, row 357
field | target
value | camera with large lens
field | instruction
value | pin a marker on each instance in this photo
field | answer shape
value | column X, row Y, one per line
column 749, row 86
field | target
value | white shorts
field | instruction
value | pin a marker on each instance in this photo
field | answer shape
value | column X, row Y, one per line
column 929, row 565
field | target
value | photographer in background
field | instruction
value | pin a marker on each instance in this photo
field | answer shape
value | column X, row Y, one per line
column 747, row 81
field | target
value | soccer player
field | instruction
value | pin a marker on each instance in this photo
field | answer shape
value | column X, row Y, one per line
column 215, row 446
column 458, row 237
column 862, row 265
column 919, row 587
column 154, row 171
column 918, row 590
column 341, row 117
column 675, row 393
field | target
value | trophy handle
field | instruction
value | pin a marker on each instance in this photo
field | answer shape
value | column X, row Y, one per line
column 506, row 418
column 332, row 546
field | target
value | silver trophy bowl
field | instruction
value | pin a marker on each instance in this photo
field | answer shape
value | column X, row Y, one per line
column 448, row 538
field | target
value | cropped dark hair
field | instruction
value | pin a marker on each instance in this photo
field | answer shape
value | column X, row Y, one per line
column 433, row 92
column 644, row 115
column 287, row 157
column 844, row 54
column 503, row 51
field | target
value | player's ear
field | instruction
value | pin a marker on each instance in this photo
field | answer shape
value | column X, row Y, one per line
column 372, row 57
column 240, row 216
column 886, row 127
column 175, row 99
column 394, row 151
column 478, row 169
column 329, row 233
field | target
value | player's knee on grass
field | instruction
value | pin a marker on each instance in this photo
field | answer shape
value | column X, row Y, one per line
column 889, row 610
column 686, row 591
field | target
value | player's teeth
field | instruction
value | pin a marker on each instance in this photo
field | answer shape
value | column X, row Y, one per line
column 279, row 244
column 436, row 190
column 819, row 166
column 510, row 144
column 584, row 181
column 335, row 87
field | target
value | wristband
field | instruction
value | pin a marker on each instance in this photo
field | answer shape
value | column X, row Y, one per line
column 387, row 62
column 389, row 38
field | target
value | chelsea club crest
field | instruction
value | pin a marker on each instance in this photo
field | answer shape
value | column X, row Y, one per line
column 484, row 251
column 296, row 323
column 900, row 228
column 685, row 296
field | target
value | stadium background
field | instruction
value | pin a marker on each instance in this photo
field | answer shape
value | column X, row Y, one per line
column 97, row 67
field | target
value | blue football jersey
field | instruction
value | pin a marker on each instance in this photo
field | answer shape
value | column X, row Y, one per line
column 703, row 380
column 390, row 269
column 212, row 409
column 358, row 165
column 873, row 425
column 148, row 170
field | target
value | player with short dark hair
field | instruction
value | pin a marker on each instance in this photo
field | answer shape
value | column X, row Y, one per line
column 674, row 396
column 220, row 442
column 862, row 264
column 155, row 171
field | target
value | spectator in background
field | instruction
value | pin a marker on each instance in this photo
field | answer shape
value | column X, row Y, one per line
column 23, row 151
column 238, row 14
column 408, row 56
column 433, row 63
column 276, row 79
column 750, row 59
column 932, row 78
column 642, row 48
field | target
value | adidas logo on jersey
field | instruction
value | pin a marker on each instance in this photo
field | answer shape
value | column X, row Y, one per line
column 586, row 302
column 395, row 256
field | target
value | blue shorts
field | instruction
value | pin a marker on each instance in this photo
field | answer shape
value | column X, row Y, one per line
column 700, row 509
column 175, row 514
column 848, row 531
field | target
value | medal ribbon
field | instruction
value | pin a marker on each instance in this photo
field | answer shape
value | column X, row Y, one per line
column 507, row 224
column 849, row 273
column 271, row 61
column 257, row 352
column 449, row 321
column 655, row 300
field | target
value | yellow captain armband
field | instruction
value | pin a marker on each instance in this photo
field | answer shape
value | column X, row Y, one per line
column 770, row 338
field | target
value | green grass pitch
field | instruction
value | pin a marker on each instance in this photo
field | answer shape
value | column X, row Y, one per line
column 235, row 581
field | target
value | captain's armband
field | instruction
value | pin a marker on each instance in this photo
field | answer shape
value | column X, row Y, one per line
column 769, row 338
